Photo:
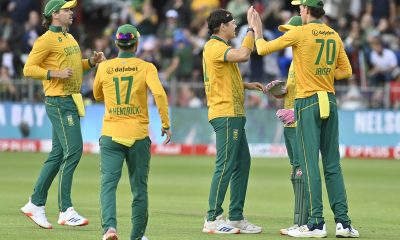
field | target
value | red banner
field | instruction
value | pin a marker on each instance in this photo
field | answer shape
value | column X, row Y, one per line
column 256, row 150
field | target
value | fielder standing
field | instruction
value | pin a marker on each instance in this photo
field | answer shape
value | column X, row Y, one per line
column 286, row 115
column 225, row 99
column 319, row 59
column 122, row 83
column 56, row 59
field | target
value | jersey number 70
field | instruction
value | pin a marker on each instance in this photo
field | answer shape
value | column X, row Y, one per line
column 330, row 51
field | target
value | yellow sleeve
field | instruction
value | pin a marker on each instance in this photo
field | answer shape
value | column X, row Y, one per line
column 39, row 53
column 97, row 85
column 343, row 69
column 86, row 65
column 290, row 38
column 160, row 97
column 219, row 52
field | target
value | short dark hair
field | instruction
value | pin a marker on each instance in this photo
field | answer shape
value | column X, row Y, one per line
column 317, row 12
column 47, row 22
column 216, row 18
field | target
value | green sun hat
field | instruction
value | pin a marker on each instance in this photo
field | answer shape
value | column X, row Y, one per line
column 127, row 35
column 292, row 23
column 309, row 3
column 53, row 6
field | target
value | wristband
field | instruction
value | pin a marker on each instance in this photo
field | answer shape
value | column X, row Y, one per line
column 90, row 63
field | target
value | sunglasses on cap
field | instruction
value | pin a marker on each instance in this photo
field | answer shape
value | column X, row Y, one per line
column 125, row 36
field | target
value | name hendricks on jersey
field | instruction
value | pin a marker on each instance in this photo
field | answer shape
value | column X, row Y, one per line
column 130, row 110
column 111, row 70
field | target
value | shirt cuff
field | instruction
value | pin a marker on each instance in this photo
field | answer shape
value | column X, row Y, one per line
column 90, row 63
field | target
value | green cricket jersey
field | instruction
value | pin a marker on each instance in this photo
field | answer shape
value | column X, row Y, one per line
column 222, row 80
column 122, row 83
column 318, row 56
column 56, row 50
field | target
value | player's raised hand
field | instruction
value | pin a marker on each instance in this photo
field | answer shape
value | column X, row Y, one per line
column 257, row 24
column 250, row 12
column 168, row 133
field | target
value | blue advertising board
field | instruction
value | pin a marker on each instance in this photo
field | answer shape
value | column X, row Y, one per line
column 190, row 126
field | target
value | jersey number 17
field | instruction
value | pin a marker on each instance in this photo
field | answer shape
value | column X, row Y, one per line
column 128, row 92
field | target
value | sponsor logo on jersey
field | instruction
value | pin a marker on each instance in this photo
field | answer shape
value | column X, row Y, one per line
column 111, row 70
column 316, row 32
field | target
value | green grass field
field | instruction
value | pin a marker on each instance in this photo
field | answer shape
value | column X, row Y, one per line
column 178, row 188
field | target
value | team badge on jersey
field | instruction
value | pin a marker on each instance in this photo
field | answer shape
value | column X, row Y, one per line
column 70, row 120
column 235, row 134
column 299, row 172
column 59, row 39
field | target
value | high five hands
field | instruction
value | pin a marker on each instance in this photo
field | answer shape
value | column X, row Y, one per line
column 97, row 57
column 254, row 21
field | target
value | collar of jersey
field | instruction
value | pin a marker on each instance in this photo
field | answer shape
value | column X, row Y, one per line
column 218, row 38
column 55, row 28
column 315, row 21
column 126, row 55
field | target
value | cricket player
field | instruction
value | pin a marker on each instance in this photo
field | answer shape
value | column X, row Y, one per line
column 225, row 99
column 286, row 115
column 122, row 83
column 319, row 59
column 56, row 59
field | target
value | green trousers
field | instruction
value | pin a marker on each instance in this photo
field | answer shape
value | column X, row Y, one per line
column 291, row 146
column 314, row 135
column 232, row 167
column 300, row 216
column 65, row 153
column 138, row 162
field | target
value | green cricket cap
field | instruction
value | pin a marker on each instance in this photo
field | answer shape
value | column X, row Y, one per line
column 55, row 5
column 127, row 35
column 309, row 3
column 292, row 23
